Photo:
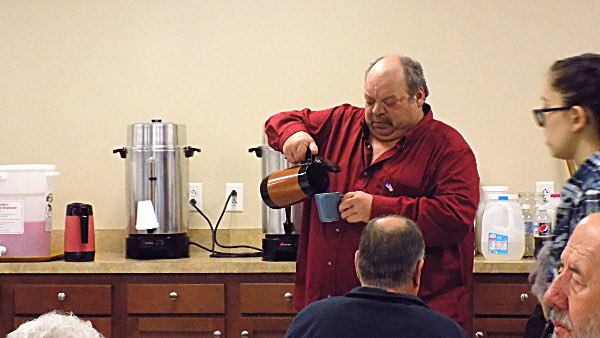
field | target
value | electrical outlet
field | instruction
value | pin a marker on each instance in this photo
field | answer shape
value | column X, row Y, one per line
column 195, row 192
column 547, row 187
column 236, row 203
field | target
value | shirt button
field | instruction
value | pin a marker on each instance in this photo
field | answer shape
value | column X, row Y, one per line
column 337, row 230
column 369, row 146
column 329, row 263
column 365, row 173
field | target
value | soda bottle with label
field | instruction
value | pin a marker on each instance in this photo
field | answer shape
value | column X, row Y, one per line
column 542, row 229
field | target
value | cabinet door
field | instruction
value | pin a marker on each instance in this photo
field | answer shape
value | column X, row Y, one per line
column 263, row 327
column 503, row 299
column 175, row 327
column 175, row 298
column 499, row 327
column 102, row 325
column 79, row 299
column 267, row 298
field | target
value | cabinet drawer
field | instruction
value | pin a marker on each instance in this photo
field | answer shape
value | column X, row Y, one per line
column 499, row 327
column 274, row 298
column 176, row 298
column 168, row 327
column 102, row 325
column 503, row 299
column 79, row 299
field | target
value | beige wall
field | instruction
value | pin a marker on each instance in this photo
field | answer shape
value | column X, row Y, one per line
column 74, row 74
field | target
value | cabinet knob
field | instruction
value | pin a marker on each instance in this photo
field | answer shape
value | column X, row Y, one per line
column 524, row 297
column 217, row 334
column 478, row 334
column 61, row 296
column 173, row 295
column 288, row 296
column 245, row 334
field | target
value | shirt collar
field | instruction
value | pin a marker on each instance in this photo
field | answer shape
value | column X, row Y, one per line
column 376, row 293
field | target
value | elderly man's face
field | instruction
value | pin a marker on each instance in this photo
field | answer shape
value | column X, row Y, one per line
column 575, row 293
column 389, row 110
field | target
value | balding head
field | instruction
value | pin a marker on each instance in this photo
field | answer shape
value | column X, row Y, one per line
column 390, row 252
column 405, row 68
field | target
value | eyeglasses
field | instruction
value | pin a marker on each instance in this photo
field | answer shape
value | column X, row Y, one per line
column 540, row 114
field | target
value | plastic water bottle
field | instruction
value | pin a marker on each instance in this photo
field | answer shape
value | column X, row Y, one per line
column 488, row 192
column 503, row 235
column 551, row 207
column 528, row 228
column 542, row 228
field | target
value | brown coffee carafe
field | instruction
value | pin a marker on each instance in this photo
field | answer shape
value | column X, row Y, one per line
column 289, row 186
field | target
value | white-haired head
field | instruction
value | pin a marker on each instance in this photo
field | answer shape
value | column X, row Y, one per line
column 56, row 325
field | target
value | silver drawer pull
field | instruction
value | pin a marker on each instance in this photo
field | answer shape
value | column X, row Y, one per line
column 524, row 297
column 217, row 334
column 478, row 334
column 288, row 296
column 61, row 296
column 245, row 334
column 173, row 295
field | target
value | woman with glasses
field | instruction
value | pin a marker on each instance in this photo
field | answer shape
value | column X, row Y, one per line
column 571, row 120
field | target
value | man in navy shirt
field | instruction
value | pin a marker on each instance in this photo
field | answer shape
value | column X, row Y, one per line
column 388, row 263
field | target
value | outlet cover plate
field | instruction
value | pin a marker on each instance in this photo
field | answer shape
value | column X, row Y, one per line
column 195, row 192
column 235, row 204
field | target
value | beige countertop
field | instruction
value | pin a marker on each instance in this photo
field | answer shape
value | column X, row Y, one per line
column 110, row 259
column 116, row 263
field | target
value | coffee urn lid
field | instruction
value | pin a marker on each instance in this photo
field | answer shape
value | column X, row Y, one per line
column 156, row 134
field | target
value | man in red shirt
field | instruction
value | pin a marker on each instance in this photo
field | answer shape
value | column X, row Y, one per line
column 394, row 159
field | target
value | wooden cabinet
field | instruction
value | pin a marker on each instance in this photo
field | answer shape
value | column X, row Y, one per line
column 32, row 300
column 266, row 309
column 502, row 304
column 155, row 305
column 79, row 299
column 175, row 310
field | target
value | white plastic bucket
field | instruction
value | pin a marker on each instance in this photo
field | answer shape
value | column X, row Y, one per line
column 502, row 232
column 26, row 209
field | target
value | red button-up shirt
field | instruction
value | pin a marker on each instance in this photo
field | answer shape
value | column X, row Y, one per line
column 429, row 176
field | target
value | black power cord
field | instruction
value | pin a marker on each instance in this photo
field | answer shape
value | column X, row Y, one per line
column 213, row 231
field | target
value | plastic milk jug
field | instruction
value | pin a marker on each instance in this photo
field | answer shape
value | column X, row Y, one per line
column 502, row 233
column 488, row 193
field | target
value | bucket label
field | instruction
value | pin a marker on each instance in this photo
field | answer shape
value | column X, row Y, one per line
column 11, row 217
column 497, row 244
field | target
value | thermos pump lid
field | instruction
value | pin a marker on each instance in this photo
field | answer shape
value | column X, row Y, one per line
column 79, row 209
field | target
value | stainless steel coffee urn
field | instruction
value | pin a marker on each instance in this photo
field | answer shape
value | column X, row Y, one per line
column 156, row 187
column 280, row 226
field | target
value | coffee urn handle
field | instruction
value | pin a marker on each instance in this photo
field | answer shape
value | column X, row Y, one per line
column 122, row 152
column 189, row 151
column 257, row 150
